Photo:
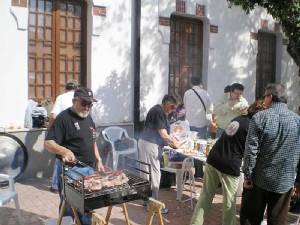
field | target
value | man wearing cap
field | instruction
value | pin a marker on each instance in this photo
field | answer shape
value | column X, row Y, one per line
column 62, row 102
column 72, row 135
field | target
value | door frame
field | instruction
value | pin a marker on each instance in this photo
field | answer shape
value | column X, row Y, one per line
column 206, row 40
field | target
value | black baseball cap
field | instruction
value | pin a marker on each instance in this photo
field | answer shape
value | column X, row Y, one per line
column 85, row 94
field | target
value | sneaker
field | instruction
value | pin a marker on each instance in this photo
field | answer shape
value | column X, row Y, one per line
column 164, row 210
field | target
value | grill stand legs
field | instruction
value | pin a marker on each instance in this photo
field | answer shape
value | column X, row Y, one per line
column 62, row 211
column 154, row 208
column 99, row 220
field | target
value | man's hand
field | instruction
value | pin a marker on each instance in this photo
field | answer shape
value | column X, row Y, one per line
column 297, row 189
column 68, row 156
column 175, row 143
column 248, row 184
column 99, row 166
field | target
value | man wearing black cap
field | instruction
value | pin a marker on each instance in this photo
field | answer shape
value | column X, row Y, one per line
column 72, row 135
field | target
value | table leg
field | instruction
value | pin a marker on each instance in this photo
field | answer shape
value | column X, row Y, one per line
column 179, row 185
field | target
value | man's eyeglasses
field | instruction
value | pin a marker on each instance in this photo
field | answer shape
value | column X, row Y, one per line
column 86, row 103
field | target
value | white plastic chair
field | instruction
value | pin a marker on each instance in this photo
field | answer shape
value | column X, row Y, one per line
column 113, row 134
column 9, row 194
column 183, row 174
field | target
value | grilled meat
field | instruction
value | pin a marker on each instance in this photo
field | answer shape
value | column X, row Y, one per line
column 97, row 181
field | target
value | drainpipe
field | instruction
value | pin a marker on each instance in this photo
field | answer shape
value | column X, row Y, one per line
column 136, row 30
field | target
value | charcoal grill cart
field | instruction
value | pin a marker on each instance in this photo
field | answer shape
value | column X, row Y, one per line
column 83, row 200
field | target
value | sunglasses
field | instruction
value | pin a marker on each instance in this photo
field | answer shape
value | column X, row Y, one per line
column 84, row 103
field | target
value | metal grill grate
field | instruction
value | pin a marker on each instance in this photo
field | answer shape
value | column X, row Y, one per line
column 85, row 200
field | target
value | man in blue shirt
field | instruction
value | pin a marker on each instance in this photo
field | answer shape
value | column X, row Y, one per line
column 272, row 153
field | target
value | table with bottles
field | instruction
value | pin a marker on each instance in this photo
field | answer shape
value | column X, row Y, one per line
column 195, row 148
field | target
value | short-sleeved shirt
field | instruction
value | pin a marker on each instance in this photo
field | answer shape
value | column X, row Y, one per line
column 226, row 155
column 156, row 119
column 75, row 133
column 195, row 112
column 62, row 102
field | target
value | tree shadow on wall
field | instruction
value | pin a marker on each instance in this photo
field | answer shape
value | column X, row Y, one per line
column 115, row 101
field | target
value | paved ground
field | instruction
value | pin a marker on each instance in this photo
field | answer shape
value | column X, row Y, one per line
column 38, row 204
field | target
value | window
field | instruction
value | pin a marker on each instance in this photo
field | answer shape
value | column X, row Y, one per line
column 265, row 61
column 185, row 54
column 57, row 46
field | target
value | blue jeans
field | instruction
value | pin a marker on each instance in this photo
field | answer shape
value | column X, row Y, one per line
column 85, row 218
column 202, row 131
column 55, row 176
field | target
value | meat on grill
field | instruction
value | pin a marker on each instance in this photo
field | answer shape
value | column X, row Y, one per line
column 98, row 181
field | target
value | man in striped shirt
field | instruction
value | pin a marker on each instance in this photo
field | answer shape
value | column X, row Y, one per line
column 272, row 154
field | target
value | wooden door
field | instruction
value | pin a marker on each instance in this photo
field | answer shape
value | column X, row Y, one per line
column 265, row 61
column 57, row 46
column 186, row 53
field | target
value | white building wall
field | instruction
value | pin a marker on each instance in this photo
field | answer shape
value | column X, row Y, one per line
column 231, row 55
column 291, row 79
column 111, row 72
column 154, row 59
column 13, row 64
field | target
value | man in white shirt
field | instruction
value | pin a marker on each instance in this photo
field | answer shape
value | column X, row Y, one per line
column 198, row 107
column 62, row 102
column 230, row 106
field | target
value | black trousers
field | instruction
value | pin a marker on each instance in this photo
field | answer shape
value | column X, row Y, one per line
column 254, row 202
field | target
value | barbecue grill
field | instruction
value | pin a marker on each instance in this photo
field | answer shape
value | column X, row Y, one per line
column 85, row 201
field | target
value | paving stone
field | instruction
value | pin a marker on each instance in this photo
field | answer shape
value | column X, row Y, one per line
column 39, row 204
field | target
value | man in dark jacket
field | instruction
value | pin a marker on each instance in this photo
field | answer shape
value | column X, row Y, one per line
column 223, row 166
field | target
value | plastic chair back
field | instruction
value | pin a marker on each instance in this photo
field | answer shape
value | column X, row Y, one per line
column 112, row 134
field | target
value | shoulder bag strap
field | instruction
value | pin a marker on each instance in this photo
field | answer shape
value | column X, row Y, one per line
column 200, row 99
